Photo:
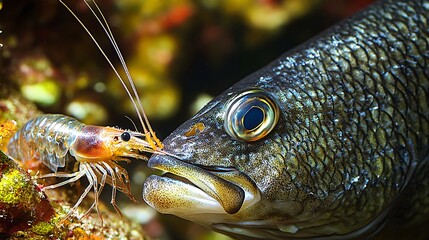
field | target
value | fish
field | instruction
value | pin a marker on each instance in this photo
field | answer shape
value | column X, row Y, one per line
column 329, row 141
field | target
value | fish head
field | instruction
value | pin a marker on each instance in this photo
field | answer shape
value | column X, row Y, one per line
column 227, row 166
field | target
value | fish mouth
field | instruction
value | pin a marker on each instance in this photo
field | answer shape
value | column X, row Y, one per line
column 188, row 189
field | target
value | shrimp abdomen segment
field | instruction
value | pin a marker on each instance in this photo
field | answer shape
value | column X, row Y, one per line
column 47, row 137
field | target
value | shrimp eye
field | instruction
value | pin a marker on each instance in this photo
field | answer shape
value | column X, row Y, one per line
column 126, row 136
column 251, row 115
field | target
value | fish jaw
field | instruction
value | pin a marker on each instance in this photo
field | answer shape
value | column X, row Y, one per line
column 192, row 192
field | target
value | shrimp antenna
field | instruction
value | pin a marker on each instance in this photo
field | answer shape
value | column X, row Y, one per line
column 134, row 96
column 135, row 127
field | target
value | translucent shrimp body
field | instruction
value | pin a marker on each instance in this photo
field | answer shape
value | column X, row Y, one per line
column 62, row 142
column 48, row 138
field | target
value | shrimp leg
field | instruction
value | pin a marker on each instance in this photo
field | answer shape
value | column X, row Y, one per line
column 100, row 189
column 74, row 177
column 113, row 199
column 91, row 174
column 88, row 188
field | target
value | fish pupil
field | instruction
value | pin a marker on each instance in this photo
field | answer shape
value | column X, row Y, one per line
column 253, row 118
column 125, row 136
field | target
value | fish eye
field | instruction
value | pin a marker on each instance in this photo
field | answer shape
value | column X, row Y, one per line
column 251, row 115
column 126, row 136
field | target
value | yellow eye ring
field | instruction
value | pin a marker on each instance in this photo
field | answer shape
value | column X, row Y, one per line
column 251, row 115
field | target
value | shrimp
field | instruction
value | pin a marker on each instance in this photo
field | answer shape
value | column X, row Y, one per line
column 62, row 142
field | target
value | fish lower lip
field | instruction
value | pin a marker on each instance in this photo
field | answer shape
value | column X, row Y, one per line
column 226, row 193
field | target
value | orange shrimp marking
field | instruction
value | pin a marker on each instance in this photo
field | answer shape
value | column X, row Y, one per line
column 90, row 145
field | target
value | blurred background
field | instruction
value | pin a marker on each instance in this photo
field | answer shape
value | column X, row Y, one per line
column 180, row 53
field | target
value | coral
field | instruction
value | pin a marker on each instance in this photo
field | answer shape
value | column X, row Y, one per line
column 21, row 202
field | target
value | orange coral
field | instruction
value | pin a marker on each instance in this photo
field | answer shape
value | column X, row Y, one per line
column 7, row 129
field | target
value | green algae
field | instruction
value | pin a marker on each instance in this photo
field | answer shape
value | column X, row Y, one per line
column 15, row 188
column 43, row 228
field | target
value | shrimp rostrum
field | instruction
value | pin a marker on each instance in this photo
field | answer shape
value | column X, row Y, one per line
column 63, row 143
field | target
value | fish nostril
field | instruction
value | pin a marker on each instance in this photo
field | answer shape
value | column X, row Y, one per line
column 195, row 129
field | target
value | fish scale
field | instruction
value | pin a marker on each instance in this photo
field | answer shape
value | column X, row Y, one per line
column 349, row 153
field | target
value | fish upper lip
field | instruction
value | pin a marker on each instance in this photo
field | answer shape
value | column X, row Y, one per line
column 229, row 195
